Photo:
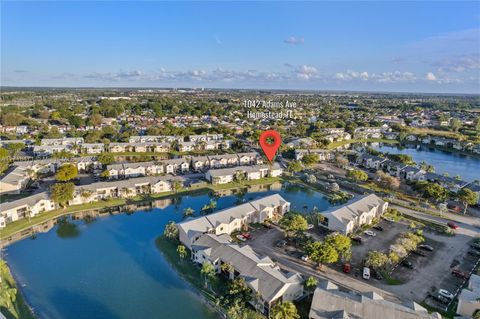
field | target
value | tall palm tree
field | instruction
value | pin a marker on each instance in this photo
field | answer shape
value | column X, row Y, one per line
column 188, row 212
column 182, row 251
column 284, row 310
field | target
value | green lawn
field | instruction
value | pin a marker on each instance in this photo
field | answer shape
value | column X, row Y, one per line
column 365, row 140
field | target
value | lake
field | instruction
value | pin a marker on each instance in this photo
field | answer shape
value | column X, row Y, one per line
column 110, row 267
column 454, row 164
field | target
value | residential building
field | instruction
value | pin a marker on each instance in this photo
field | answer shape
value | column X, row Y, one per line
column 469, row 298
column 14, row 180
column 354, row 214
column 71, row 141
column 92, row 148
column 329, row 302
column 235, row 218
column 25, row 208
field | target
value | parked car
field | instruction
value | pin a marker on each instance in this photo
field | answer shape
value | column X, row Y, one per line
column 388, row 219
column 446, row 294
column 281, row 243
column 347, row 268
column 425, row 247
column 366, row 273
column 452, row 225
column 377, row 227
column 267, row 225
column 420, row 253
column 241, row 238
column 459, row 274
column 305, row 258
column 407, row 264
column 357, row 239
column 370, row 233
column 247, row 235
column 474, row 253
column 310, row 226
column 440, row 299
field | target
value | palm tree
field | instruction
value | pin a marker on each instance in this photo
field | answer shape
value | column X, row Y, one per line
column 207, row 271
column 182, row 251
column 188, row 212
column 284, row 310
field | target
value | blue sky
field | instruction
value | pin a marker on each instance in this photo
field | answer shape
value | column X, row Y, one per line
column 379, row 46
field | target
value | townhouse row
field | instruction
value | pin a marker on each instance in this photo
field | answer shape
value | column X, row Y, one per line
column 17, row 177
column 35, row 204
column 415, row 174
column 351, row 216
column 182, row 165
column 323, row 155
column 208, row 239
column 138, row 144
column 240, row 173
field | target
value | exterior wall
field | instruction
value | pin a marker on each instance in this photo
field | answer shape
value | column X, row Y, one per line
column 7, row 188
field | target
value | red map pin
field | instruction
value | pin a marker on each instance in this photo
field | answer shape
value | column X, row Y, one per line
column 270, row 142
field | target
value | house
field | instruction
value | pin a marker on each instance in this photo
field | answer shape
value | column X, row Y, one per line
column 268, row 283
column 218, row 161
column 25, row 208
column 221, row 176
column 412, row 173
column 393, row 168
column 128, row 170
column 323, row 155
column 452, row 184
column 186, row 146
column 252, row 172
column 329, row 301
column 87, row 163
column 469, row 298
column 120, row 147
column 14, row 180
column 232, row 219
column 48, row 150
column 92, row 148
column 354, row 214
column 301, row 142
column 367, row 132
column 371, row 161
column 200, row 163
column 475, row 187
column 178, row 165
column 70, row 141
column 250, row 158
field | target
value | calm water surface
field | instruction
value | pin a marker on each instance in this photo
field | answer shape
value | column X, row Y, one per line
column 454, row 164
column 110, row 268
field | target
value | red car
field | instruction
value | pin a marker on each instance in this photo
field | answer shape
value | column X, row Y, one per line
column 247, row 235
column 452, row 225
column 347, row 268
column 459, row 274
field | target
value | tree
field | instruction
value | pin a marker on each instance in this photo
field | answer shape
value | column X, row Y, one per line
column 171, row 230
column 294, row 166
column 62, row 193
column 284, row 310
column 210, row 207
column 311, row 283
column 14, row 148
column 238, row 290
column 226, row 267
column 388, row 181
column 357, row 175
column 468, row 197
column 182, row 251
column 455, row 124
column 207, row 271
column 341, row 161
column 310, row 159
column 66, row 172
column 321, row 253
column 393, row 258
column 188, row 212
column 177, row 185
column 434, row 191
column 106, row 158
column 293, row 222
column 342, row 243
column 376, row 259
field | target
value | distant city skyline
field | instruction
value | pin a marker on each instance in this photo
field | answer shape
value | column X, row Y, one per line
column 350, row 46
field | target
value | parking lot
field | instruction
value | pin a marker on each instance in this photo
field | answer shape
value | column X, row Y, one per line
column 431, row 272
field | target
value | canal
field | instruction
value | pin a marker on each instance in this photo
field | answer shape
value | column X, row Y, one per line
column 109, row 267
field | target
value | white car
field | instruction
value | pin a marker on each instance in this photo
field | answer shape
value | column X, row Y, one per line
column 446, row 294
column 241, row 238
column 310, row 226
column 388, row 219
column 370, row 233
column 305, row 258
column 366, row 273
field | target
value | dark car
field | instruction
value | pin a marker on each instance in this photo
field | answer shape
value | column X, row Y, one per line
column 357, row 239
column 347, row 268
column 459, row 274
column 268, row 226
column 426, row 247
column 377, row 275
column 380, row 228
column 452, row 225
column 474, row 253
column 419, row 253
column 407, row 264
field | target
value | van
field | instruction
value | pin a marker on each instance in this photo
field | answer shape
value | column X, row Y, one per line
column 366, row 273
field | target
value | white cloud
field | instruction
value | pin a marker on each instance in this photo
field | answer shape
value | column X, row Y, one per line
column 294, row 40
column 430, row 77
column 306, row 72
column 394, row 77
column 352, row 75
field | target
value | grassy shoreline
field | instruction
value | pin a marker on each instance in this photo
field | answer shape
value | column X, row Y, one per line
column 17, row 307
column 25, row 224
